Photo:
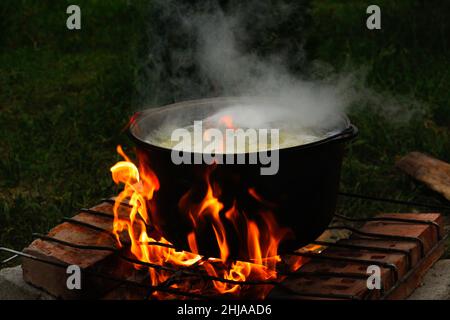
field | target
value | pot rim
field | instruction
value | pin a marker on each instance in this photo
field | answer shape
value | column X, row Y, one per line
column 349, row 133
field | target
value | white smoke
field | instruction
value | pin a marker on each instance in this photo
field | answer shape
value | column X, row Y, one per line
column 238, row 73
column 284, row 100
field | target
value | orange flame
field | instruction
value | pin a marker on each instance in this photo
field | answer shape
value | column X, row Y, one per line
column 227, row 121
column 262, row 237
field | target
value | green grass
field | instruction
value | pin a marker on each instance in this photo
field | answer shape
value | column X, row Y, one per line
column 408, row 61
column 66, row 96
column 64, row 100
column 408, row 64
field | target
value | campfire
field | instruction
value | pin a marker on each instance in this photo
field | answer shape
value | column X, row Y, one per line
column 229, row 230
column 220, row 230
column 141, row 226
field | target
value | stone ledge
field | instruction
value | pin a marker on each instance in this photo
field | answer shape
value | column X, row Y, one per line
column 435, row 284
column 13, row 287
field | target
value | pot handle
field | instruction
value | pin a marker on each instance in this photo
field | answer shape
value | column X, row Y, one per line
column 350, row 133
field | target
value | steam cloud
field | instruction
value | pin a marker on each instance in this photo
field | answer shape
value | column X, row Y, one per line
column 236, row 73
column 224, row 67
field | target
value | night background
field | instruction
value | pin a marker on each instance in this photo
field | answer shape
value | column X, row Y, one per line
column 66, row 96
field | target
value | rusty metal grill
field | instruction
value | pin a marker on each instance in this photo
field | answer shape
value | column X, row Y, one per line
column 192, row 273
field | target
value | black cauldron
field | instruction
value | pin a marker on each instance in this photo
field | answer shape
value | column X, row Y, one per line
column 302, row 195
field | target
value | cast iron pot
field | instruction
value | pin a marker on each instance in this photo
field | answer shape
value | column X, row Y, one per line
column 301, row 196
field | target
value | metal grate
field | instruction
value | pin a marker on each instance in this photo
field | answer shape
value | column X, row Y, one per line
column 193, row 273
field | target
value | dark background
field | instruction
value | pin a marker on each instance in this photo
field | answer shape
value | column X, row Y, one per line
column 65, row 96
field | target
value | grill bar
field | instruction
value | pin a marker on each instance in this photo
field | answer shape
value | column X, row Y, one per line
column 401, row 202
column 113, row 201
column 151, row 265
column 164, row 286
column 390, row 219
column 17, row 254
column 183, row 273
column 382, row 236
column 97, row 213
column 322, row 256
column 407, row 253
